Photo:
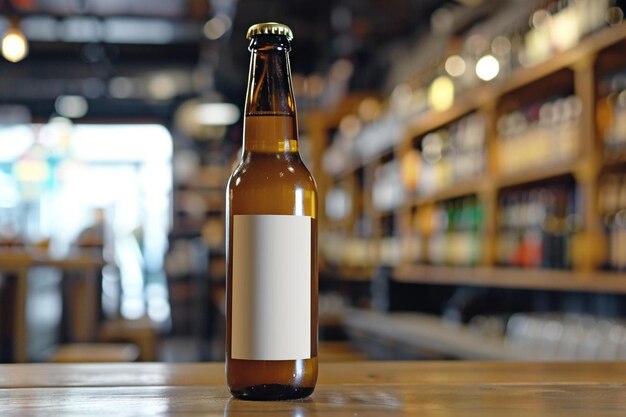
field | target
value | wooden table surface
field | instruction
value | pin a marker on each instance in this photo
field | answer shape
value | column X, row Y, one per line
column 344, row 389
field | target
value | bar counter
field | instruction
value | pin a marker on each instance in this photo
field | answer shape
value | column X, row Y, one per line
column 344, row 389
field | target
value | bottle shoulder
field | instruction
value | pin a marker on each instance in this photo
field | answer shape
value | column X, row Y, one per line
column 271, row 170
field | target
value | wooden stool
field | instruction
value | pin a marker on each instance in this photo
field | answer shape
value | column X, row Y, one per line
column 96, row 352
column 141, row 332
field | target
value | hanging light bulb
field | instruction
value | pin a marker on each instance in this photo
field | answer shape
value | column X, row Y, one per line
column 487, row 68
column 14, row 44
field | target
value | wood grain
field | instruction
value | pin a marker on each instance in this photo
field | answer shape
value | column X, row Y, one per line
column 352, row 400
column 354, row 389
column 110, row 375
column 367, row 372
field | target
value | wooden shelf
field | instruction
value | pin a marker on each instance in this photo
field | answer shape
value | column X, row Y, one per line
column 612, row 162
column 538, row 173
column 567, row 59
column 379, row 213
column 352, row 168
column 579, row 69
column 477, row 185
column 480, row 95
column 542, row 279
column 480, row 184
column 470, row 101
column 461, row 189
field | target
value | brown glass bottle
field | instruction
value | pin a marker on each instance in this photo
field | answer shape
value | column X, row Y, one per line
column 271, row 211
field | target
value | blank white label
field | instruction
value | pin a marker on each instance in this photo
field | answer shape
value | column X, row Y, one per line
column 271, row 300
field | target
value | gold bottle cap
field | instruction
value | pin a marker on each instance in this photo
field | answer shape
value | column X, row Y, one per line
column 269, row 28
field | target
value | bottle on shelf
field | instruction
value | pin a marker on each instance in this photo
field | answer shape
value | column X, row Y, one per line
column 614, row 109
column 468, row 224
column 560, row 25
column 437, row 238
column 536, row 227
column 538, row 135
column 455, row 236
column 452, row 155
column 271, row 206
column 411, row 240
column 388, row 191
column 390, row 249
column 612, row 205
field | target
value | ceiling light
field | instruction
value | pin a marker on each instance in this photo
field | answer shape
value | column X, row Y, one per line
column 14, row 45
column 217, row 114
column 455, row 65
column 487, row 68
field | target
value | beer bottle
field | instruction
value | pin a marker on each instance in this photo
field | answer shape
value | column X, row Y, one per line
column 271, row 211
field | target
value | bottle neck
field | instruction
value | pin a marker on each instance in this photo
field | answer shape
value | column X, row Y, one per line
column 270, row 124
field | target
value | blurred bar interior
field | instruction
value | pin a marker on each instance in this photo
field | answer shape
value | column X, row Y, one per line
column 470, row 156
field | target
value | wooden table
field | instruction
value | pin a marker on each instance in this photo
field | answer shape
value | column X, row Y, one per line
column 83, row 319
column 345, row 389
